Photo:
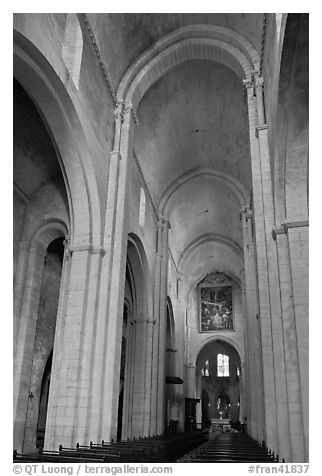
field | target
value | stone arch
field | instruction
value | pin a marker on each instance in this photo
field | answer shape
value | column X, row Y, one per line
column 41, row 82
column 212, row 339
column 176, row 187
column 232, row 388
column 292, row 115
column 204, row 239
column 47, row 231
column 191, row 42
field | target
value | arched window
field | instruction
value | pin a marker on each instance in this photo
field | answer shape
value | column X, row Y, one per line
column 222, row 365
column 73, row 47
column 142, row 208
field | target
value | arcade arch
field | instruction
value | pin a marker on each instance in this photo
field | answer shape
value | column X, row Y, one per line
column 220, row 395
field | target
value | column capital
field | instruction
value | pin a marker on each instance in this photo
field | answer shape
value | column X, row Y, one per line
column 115, row 154
column 246, row 212
column 258, row 78
column 118, row 111
column 128, row 110
column 163, row 221
column 250, row 82
column 262, row 127
column 89, row 247
column 189, row 365
column 24, row 245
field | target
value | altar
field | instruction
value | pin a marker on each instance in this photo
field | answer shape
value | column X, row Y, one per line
column 220, row 424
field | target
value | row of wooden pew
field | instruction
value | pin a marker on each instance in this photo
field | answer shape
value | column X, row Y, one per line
column 230, row 448
column 142, row 450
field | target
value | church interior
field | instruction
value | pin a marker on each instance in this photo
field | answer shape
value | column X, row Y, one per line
column 160, row 231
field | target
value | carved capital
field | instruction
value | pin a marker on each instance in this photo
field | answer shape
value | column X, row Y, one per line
column 128, row 110
column 262, row 127
column 247, row 212
column 118, row 111
column 189, row 365
column 115, row 155
column 259, row 80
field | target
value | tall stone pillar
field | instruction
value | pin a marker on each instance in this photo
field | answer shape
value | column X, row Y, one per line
column 290, row 334
column 162, row 328
column 159, row 329
column 274, row 371
column 155, row 339
column 117, row 267
column 191, row 380
column 70, row 388
column 148, row 369
column 298, row 239
column 253, row 361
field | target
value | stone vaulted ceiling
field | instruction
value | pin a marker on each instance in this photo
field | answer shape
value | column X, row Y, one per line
column 192, row 120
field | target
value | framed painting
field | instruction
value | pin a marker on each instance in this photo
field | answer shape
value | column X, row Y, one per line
column 216, row 308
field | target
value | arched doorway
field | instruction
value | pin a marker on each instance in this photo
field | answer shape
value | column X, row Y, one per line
column 219, row 374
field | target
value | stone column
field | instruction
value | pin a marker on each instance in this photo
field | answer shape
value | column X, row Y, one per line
column 298, row 239
column 253, row 361
column 102, row 421
column 289, row 295
column 139, row 376
column 274, row 372
column 155, row 347
column 30, row 297
column 191, row 381
column 180, row 328
column 162, row 328
column 117, row 258
column 150, row 324
column 247, row 375
column 71, row 384
column 58, row 341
